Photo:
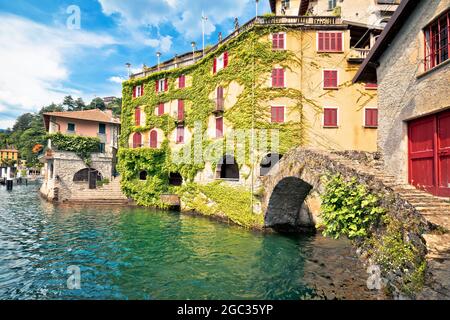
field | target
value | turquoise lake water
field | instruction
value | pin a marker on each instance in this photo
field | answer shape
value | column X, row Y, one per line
column 136, row 253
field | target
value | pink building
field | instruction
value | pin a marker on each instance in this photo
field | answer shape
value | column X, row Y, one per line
column 66, row 175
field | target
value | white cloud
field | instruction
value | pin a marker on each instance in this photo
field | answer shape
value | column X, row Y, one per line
column 184, row 15
column 116, row 79
column 33, row 62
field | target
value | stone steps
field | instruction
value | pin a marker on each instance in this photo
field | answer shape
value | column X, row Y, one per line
column 108, row 194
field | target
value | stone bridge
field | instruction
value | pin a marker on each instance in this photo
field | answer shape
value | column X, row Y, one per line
column 291, row 202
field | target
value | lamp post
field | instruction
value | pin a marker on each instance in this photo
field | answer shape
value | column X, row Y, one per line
column 128, row 68
column 158, row 54
column 193, row 44
column 204, row 19
column 256, row 4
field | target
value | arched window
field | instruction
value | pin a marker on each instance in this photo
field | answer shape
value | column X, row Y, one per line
column 227, row 168
column 175, row 179
column 143, row 175
column 268, row 162
column 137, row 140
column 137, row 117
column 154, row 139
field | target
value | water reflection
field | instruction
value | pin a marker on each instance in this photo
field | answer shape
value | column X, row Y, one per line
column 135, row 253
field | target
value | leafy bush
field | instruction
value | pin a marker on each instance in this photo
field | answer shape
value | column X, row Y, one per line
column 82, row 146
column 348, row 209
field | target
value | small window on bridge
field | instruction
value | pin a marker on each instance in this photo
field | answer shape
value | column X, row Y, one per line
column 268, row 162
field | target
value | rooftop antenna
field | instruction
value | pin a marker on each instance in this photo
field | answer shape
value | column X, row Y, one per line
column 204, row 19
column 256, row 3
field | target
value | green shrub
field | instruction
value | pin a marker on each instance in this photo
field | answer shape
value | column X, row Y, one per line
column 81, row 146
column 348, row 209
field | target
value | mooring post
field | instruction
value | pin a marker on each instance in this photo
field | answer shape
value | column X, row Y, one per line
column 9, row 180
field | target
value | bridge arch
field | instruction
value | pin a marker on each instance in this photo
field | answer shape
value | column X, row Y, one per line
column 287, row 210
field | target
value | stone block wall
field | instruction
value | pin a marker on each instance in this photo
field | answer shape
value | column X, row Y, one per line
column 405, row 90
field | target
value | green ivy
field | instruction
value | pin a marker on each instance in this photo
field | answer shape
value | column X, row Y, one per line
column 348, row 209
column 81, row 146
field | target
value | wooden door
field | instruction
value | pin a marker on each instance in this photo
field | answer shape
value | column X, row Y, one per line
column 443, row 154
column 422, row 153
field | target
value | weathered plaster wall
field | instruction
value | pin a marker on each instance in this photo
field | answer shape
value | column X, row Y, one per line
column 404, row 90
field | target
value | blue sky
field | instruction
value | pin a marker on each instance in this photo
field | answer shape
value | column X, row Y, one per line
column 42, row 59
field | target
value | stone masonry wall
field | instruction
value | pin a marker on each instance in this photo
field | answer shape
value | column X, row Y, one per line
column 66, row 164
column 405, row 91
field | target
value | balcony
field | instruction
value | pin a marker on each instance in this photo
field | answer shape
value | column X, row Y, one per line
column 358, row 55
column 191, row 58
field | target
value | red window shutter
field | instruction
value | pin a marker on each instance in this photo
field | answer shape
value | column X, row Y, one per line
column 215, row 66
column 274, row 77
column 180, row 110
column 166, row 84
column 180, row 134
column 137, row 117
column 330, row 117
column 219, row 102
column 330, row 79
column 219, row 127
column 157, row 86
column 281, row 41
column 160, row 109
column 137, row 140
column 371, row 86
column 321, row 41
column 134, row 92
column 154, row 139
column 142, row 89
column 281, row 78
column 277, row 114
column 225, row 59
column 275, row 41
column 339, row 41
column 182, row 81
column 333, row 42
column 371, row 118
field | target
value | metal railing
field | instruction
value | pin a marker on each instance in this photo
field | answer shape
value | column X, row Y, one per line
column 258, row 21
column 358, row 53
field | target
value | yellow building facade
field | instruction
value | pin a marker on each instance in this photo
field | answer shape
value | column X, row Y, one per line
column 9, row 155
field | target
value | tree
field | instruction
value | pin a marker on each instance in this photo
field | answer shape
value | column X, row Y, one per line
column 69, row 103
column 116, row 107
column 51, row 108
column 80, row 105
column 97, row 103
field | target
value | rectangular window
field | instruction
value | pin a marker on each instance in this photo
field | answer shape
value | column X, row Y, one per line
column 220, row 62
column 437, row 45
column 371, row 118
column 102, row 128
column 138, row 91
column 160, row 109
column 180, row 134
column 219, row 127
column 330, row 79
column 277, row 114
column 182, row 81
column 71, row 127
column 162, row 85
column 329, row 41
column 330, row 117
column 278, row 41
column 220, row 100
column 331, row 4
column 101, row 148
column 278, row 78
column 286, row 4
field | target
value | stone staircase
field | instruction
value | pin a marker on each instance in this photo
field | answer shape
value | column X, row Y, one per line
column 435, row 211
column 107, row 194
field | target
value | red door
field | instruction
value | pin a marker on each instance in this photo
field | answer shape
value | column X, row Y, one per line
column 137, row 140
column 443, row 154
column 429, row 153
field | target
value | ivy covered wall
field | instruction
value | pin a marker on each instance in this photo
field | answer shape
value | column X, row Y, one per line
column 251, row 60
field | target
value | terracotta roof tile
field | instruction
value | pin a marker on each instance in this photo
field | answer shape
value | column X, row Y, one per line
column 89, row 115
